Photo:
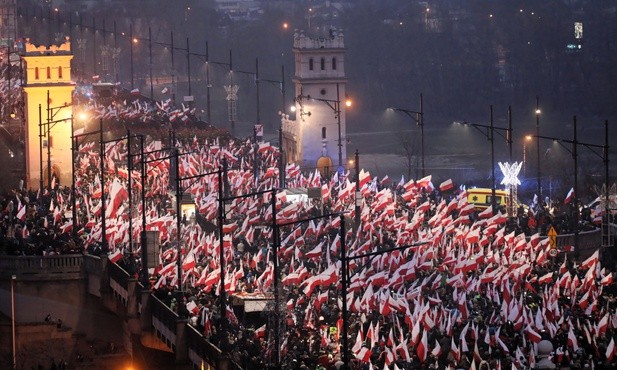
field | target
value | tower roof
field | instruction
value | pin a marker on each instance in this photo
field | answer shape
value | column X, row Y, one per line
column 34, row 50
column 334, row 40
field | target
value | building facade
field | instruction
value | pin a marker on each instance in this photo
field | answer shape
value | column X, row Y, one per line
column 48, row 93
column 316, row 137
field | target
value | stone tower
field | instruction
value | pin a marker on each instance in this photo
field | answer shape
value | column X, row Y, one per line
column 48, row 91
column 317, row 139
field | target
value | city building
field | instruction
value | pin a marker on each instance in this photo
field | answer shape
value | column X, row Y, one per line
column 48, row 93
column 316, row 137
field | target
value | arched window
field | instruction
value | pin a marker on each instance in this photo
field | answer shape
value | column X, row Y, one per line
column 311, row 64
column 323, row 132
column 48, row 73
column 323, row 64
column 59, row 72
column 36, row 73
column 333, row 63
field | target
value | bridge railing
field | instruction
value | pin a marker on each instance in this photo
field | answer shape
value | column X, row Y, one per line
column 203, row 351
column 65, row 266
column 164, row 321
column 119, row 283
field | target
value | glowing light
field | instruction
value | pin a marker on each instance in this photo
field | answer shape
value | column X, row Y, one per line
column 348, row 103
column 285, row 25
column 510, row 173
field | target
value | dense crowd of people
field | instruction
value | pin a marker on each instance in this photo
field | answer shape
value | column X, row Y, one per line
column 445, row 285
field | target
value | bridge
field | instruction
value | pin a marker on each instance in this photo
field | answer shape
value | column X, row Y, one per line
column 146, row 320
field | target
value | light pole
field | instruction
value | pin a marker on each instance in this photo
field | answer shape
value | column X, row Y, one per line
column 14, row 334
column 527, row 138
column 574, row 152
column 489, row 133
column 538, row 112
column 418, row 117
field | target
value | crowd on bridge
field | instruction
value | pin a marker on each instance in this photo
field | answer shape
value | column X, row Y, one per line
column 453, row 287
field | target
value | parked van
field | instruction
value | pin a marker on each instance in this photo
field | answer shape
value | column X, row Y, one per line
column 481, row 198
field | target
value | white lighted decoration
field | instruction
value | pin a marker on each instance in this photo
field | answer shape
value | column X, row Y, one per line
column 232, row 92
column 578, row 30
column 510, row 173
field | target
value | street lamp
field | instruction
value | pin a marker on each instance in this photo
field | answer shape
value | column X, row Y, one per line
column 574, row 152
column 527, row 139
column 13, row 278
column 490, row 135
column 418, row 117
column 538, row 112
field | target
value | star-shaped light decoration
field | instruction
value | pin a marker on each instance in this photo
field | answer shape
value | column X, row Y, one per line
column 510, row 173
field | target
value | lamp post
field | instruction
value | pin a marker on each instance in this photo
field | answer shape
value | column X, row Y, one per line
column 527, row 138
column 418, row 117
column 538, row 112
column 14, row 333
column 489, row 133
column 574, row 152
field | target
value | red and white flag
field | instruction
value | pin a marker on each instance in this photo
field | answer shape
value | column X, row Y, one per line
column 115, row 256
column 261, row 331
column 446, row 185
column 422, row 349
column 569, row 197
column 592, row 260
column 610, row 350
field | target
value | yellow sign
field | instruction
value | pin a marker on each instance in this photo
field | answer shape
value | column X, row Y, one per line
column 552, row 237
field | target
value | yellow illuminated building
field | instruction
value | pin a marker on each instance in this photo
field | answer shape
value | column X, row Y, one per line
column 48, row 92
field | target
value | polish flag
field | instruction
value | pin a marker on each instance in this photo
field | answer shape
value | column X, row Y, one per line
column 569, row 197
column 607, row 280
column 364, row 177
column 572, row 342
column 189, row 262
column 115, row 256
column 487, row 213
column 456, row 352
column 21, row 214
column 364, row 354
column 592, row 260
column 446, row 185
column 422, row 349
column 135, row 92
column 192, row 307
column 610, row 350
column 602, row 325
column 261, row 331
column 532, row 335
column 436, row 350
column 546, row 278
column 424, row 182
